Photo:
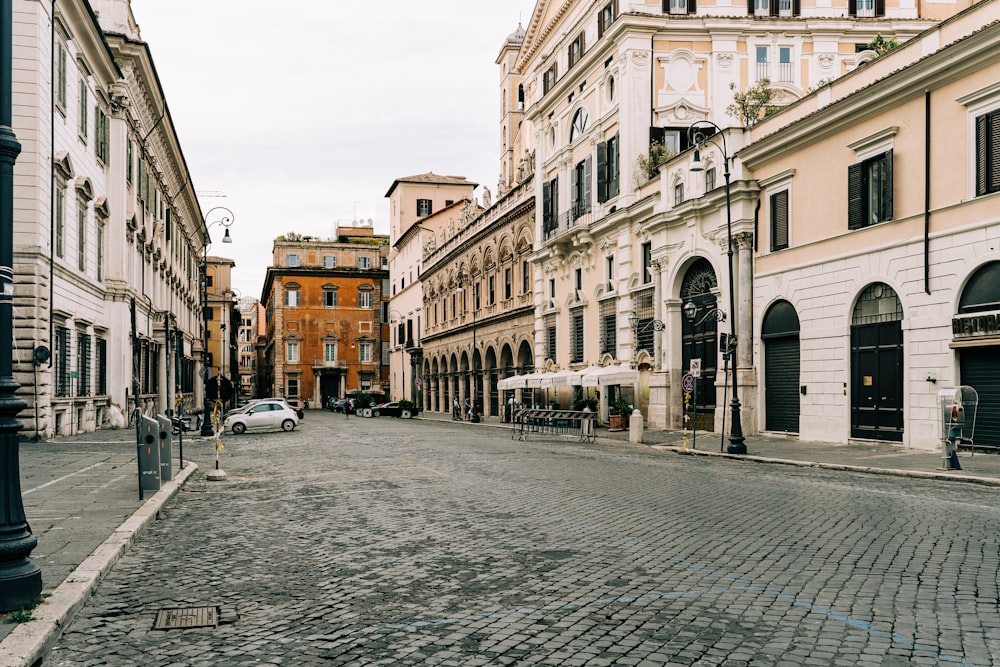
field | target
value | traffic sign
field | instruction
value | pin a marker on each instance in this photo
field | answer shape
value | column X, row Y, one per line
column 696, row 368
column 417, row 382
column 688, row 382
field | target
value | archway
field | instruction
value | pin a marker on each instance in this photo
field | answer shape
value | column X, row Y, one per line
column 699, row 339
column 877, row 365
column 780, row 336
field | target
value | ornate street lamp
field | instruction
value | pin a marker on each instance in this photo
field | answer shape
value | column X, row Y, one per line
column 20, row 579
column 226, row 221
column 700, row 134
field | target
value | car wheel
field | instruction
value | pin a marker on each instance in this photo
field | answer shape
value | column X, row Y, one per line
column 376, row 413
column 287, row 425
column 239, row 428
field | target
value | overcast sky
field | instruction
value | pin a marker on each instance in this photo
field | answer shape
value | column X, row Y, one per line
column 303, row 112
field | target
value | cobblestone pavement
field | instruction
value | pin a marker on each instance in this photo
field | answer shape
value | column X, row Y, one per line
column 385, row 541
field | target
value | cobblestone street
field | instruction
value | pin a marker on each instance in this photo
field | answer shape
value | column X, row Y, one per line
column 386, row 541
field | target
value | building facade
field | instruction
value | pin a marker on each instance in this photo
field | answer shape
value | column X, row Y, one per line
column 327, row 307
column 107, row 235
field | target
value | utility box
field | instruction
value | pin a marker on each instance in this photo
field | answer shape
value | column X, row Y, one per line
column 166, row 441
column 148, row 450
column 957, row 411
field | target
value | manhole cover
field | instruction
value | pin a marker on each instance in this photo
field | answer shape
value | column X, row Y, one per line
column 188, row 617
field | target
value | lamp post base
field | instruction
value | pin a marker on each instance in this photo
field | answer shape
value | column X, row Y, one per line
column 736, row 448
column 737, row 443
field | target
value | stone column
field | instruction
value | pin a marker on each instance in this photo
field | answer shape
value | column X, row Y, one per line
column 743, row 246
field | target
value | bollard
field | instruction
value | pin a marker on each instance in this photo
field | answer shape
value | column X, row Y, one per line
column 148, row 450
column 166, row 440
column 635, row 427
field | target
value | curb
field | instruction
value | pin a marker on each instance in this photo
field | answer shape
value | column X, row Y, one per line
column 895, row 472
column 30, row 642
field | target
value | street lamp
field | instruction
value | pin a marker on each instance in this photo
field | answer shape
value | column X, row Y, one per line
column 226, row 221
column 700, row 134
column 654, row 324
column 21, row 579
column 475, row 379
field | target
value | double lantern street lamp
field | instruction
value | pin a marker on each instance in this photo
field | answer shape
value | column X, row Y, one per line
column 472, row 359
column 226, row 221
column 700, row 134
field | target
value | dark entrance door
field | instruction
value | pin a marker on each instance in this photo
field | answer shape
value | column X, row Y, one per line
column 877, row 381
column 780, row 335
column 328, row 386
column 700, row 339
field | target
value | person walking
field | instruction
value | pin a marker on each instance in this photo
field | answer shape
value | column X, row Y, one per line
column 468, row 408
column 456, row 410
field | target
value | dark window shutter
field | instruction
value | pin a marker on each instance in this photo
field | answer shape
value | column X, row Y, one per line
column 546, row 207
column 993, row 142
column 613, row 155
column 600, row 23
column 588, row 178
column 692, row 7
column 982, row 154
column 855, row 217
column 779, row 220
column 852, row 7
column 602, row 172
column 657, row 134
column 887, row 187
column 574, row 205
column 751, row 8
column 988, row 153
column 796, row 7
column 773, row 8
column 554, row 203
column 879, row 7
column 666, row 6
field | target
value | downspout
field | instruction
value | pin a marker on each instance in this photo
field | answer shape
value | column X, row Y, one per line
column 652, row 84
column 52, row 194
column 927, row 192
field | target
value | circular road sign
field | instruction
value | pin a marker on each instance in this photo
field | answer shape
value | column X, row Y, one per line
column 688, row 382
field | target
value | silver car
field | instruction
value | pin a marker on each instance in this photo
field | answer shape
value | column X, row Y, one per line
column 262, row 415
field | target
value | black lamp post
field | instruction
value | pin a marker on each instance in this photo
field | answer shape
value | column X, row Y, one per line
column 475, row 384
column 206, row 373
column 20, row 579
column 701, row 134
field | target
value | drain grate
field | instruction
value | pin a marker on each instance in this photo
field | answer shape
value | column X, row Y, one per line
column 187, row 617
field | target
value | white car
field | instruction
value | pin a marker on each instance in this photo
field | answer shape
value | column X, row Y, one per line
column 262, row 415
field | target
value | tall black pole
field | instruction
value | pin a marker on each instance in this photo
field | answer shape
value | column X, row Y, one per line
column 206, row 374
column 20, row 579
column 737, row 443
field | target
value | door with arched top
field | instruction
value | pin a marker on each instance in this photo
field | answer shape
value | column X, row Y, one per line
column 700, row 339
column 877, row 365
column 780, row 336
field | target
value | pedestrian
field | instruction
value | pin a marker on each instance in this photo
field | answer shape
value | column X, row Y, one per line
column 468, row 408
column 510, row 408
column 348, row 406
column 456, row 410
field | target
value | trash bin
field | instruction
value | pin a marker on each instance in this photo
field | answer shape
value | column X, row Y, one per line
column 148, row 451
column 166, row 442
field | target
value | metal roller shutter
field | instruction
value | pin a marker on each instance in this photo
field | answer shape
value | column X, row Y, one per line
column 981, row 371
column 782, row 384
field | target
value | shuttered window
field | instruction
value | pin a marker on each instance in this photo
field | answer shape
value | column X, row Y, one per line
column 576, row 336
column 869, row 191
column 988, row 153
column 779, row 220
column 609, row 330
column 550, row 337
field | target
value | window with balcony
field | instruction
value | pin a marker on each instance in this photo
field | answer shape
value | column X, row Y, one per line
column 581, row 188
column 605, row 17
column 607, row 169
column 330, row 352
column 576, row 49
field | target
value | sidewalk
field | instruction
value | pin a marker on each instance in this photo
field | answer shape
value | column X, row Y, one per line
column 81, row 496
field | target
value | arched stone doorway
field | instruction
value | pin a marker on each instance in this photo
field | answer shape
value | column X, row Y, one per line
column 699, row 339
column 780, row 337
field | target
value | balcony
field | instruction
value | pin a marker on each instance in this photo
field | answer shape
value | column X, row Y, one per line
column 339, row 363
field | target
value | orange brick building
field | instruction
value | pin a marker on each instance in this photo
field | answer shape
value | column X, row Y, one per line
column 326, row 303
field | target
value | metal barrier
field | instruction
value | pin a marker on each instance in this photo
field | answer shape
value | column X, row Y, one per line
column 582, row 424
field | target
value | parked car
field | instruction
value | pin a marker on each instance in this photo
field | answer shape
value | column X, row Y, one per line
column 337, row 404
column 263, row 415
column 390, row 409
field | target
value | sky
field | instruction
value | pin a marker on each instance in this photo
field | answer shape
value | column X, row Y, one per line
column 299, row 115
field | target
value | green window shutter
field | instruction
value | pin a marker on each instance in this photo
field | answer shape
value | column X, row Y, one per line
column 887, row 187
column 855, row 214
column 602, row 172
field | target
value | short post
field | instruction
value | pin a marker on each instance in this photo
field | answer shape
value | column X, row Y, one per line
column 635, row 427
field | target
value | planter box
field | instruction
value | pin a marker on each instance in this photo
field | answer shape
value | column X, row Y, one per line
column 617, row 422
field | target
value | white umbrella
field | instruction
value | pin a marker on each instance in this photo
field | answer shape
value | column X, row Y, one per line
column 576, row 377
column 609, row 375
column 557, row 379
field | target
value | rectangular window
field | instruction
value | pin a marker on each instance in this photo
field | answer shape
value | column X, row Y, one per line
column 102, row 367
column 61, row 75
column 581, row 188
column 291, row 351
column 869, row 191
column 784, row 72
column 329, row 352
column 329, row 261
column 508, row 285
column 365, row 353
column 424, row 208
column 576, row 336
column 609, row 272
column 678, row 194
column 647, row 263
column 61, row 354
column 578, row 280
column 491, row 293
column 550, row 337
column 867, row 8
column 129, row 160
column 84, row 121
column 329, row 298
column 292, row 297
column 761, row 7
column 988, row 153
column 779, row 220
column 679, row 6
column 550, row 206
column 101, row 135
column 605, row 18
column 763, row 64
column 576, row 48
column 477, row 296
column 294, row 261
column 60, row 216
column 788, row 7
column 645, row 328
column 364, row 262
column 552, row 288
column 364, row 299
column 549, row 79
column 81, row 241
column 710, row 179
column 609, row 327
column 292, row 387
column 607, row 169
column 82, row 364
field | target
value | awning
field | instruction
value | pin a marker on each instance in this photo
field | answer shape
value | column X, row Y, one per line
column 576, row 377
column 533, row 380
column 609, row 375
column 556, row 379
column 521, row 381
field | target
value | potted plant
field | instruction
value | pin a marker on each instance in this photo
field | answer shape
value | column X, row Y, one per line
column 589, row 403
column 618, row 412
column 407, row 408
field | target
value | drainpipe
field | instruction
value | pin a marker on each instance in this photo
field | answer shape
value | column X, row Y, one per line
column 927, row 192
